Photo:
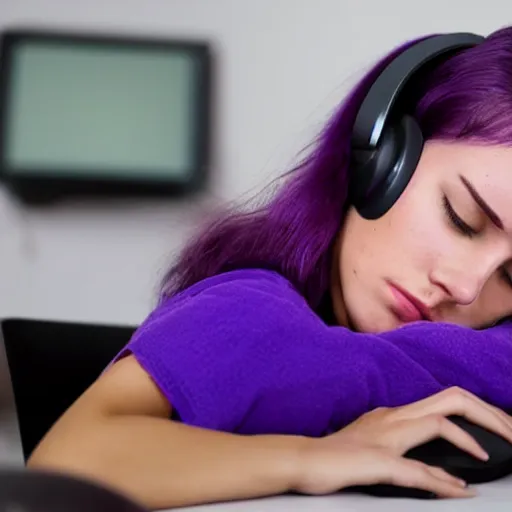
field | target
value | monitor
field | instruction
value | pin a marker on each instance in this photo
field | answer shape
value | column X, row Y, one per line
column 83, row 112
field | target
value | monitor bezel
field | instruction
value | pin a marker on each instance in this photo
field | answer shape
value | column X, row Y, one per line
column 37, row 185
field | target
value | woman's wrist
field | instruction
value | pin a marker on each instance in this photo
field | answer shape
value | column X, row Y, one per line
column 298, row 462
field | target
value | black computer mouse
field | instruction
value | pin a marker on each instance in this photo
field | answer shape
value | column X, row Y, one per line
column 37, row 491
column 455, row 461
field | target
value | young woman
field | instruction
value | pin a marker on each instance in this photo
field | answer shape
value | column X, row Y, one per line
column 303, row 347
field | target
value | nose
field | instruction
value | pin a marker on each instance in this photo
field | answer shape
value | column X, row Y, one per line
column 463, row 282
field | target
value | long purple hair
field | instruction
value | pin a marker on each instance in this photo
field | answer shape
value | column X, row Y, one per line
column 469, row 97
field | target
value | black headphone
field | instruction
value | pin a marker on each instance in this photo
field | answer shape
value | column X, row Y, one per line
column 386, row 140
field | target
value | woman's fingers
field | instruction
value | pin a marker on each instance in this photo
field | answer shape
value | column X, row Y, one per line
column 421, row 430
column 456, row 401
column 414, row 474
column 444, row 475
column 502, row 421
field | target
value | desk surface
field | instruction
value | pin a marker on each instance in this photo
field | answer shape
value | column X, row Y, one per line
column 494, row 496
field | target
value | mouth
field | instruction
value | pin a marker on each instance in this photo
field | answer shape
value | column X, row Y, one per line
column 407, row 307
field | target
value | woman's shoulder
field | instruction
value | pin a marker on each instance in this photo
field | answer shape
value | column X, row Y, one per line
column 238, row 288
column 243, row 279
column 255, row 302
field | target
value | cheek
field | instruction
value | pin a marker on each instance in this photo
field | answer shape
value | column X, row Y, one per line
column 362, row 242
column 416, row 234
column 410, row 239
column 495, row 300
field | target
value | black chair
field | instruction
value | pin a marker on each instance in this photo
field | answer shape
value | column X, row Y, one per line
column 51, row 364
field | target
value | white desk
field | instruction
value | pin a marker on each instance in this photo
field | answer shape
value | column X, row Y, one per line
column 492, row 497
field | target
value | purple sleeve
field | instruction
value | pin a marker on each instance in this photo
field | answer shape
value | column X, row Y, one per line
column 479, row 361
column 248, row 355
column 405, row 365
column 205, row 351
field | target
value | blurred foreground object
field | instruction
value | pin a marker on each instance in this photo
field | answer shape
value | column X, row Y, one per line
column 36, row 491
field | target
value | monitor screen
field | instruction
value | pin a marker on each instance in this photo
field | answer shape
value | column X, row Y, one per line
column 103, row 109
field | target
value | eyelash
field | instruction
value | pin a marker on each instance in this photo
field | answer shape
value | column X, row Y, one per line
column 457, row 222
column 466, row 230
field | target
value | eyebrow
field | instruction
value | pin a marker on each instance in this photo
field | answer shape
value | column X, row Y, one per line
column 483, row 205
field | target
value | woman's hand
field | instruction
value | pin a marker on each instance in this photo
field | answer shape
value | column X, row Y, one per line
column 370, row 450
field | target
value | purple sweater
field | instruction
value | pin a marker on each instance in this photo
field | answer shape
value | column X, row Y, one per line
column 242, row 352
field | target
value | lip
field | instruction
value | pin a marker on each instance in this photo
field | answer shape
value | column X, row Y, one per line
column 408, row 307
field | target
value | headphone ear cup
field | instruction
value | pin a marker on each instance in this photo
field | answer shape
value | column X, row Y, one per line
column 380, row 176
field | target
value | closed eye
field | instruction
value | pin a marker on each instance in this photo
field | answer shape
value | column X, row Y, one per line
column 456, row 221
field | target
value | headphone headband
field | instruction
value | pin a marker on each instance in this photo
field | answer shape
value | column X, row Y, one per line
column 382, row 96
column 387, row 141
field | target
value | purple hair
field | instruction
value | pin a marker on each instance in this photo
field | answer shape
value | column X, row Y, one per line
column 469, row 96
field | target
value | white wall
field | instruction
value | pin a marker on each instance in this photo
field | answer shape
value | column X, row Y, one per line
column 283, row 65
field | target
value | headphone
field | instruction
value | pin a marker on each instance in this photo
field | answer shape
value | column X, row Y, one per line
column 387, row 141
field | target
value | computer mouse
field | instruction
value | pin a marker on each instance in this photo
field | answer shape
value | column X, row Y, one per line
column 443, row 454
column 38, row 491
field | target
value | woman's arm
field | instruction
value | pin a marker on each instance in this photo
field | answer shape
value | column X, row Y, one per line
column 477, row 360
column 405, row 365
column 118, row 433
column 249, row 356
